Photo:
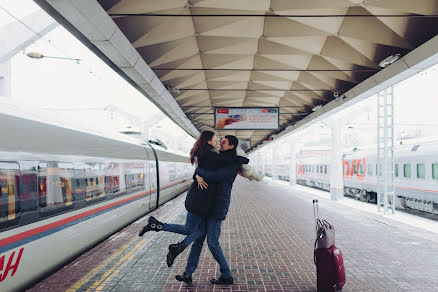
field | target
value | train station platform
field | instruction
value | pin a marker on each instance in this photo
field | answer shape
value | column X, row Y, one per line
column 268, row 240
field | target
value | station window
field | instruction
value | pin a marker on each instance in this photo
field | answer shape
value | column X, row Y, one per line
column 435, row 170
column 407, row 170
column 421, row 171
column 396, row 170
column 54, row 184
column 9, row 199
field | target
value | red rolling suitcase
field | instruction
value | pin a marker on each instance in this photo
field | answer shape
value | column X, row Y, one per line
column 330, row 271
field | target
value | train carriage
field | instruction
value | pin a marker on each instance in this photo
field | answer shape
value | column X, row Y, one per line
column 415, row 175
column 63, row 191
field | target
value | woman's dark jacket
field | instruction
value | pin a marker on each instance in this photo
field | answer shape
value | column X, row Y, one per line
column 223, row 180
column 200, row 201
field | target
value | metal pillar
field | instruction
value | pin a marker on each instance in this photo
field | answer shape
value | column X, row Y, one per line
column 292, row 162
column 336, row 173
column 385, row 151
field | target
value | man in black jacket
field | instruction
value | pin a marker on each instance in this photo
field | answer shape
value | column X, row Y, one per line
column 225, row 178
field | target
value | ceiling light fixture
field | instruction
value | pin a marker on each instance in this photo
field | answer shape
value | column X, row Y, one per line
column 389, row 60
column 35, row 55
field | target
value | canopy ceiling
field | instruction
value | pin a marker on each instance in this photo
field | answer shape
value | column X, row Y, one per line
column 291, row 54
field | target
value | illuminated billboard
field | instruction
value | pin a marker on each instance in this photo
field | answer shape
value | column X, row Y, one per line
column 246, row 118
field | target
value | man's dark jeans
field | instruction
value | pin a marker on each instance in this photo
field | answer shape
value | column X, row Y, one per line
column 213, row 234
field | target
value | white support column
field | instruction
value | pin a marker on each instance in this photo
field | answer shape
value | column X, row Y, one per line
column 336, row 173
column 263, row 161
column 274, row 161
column 293, row 162
column 5, row 79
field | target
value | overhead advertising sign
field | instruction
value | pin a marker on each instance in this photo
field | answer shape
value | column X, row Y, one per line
column 244, row 144
column 246, row 118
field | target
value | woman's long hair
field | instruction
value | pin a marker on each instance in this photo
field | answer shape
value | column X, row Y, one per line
column 201, row 146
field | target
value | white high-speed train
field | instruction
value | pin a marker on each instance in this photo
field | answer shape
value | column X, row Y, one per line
column 62, row 191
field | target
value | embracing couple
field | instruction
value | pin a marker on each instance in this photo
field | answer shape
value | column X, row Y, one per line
column 207, row 203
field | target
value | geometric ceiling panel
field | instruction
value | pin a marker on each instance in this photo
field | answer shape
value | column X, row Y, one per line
column 136, row 6
column 376, row 32
column 335, row 47
column 166, row 32
column 289, row 54
column 227, row 45
column 218, row 75
column 425, row 7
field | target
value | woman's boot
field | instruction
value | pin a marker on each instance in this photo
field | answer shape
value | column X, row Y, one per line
column 153, row 224
column 174, row 251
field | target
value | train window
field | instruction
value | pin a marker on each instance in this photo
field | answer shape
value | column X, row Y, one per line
column 9, row 199
column 94, row 181
column 355, row 168
column 55, row 184
column 370, row 171
column 407, row 170
column 325, row 168
column 134, row 177
column 435, row 170
column 112, row 178
column 361, row 169
column 421, row 171
column 396, row 170
column 378, row 170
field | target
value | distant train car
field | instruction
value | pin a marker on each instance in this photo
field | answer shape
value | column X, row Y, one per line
column 415, row 175
column 314, row 172
column 63, row 191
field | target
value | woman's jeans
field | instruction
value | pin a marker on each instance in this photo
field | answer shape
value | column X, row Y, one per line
column 193, row 228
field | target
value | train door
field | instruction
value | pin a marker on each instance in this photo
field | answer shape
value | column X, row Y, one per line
column 151, row 173
column 154, row 178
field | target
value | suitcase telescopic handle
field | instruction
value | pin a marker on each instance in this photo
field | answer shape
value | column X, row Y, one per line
column 316, row 213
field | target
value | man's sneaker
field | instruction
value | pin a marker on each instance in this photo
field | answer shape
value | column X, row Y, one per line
column 222, row 281
column 184, row 278
column 174, row 251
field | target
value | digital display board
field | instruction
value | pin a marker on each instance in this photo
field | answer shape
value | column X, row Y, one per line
column 246, row 118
